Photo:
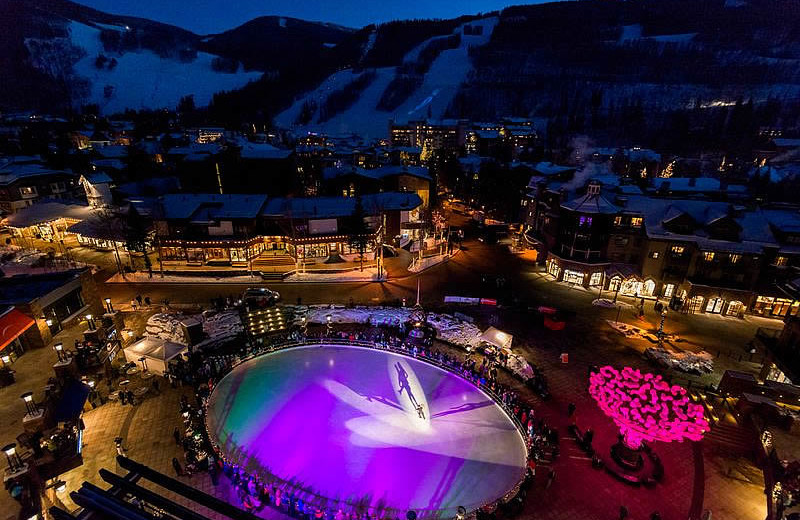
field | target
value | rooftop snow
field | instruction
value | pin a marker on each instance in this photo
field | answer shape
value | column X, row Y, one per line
column 212, row 206
column 332, row 207
column 47, row 211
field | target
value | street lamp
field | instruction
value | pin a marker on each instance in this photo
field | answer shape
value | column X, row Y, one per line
column 661, row 327
column 90, row 319
column 6, row 359
column 109, row 307
column 11, row 455
column 30, row 406
column 329, row 325
column 143, row 361
column 59, row 348
column 49, row 322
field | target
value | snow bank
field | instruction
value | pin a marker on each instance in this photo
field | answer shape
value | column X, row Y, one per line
column 367, row 275
column 168, row 327
column 448, row 328
column 218, row 327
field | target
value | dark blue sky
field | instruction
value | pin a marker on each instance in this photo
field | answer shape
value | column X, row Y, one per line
column 207, row 16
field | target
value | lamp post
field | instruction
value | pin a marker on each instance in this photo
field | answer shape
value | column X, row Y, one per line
column 6, row 359
column 59, row 348
column 661, row 327
column 329, row 325
column 143, row 361
column 90, row 320
column 109, row 306
column 11, row 455
column 30, row 406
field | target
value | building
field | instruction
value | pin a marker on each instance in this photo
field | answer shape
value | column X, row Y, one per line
column 235, row 230
column 26, row 179
column 97, row 186
column 352, row 181
column 701, row 255
column 54, row 300
column 447, row 134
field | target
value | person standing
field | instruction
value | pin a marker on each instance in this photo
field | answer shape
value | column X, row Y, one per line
column 177, row 467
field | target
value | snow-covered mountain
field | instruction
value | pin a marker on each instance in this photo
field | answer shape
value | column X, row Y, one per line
column 429, row 97
column 598, row 62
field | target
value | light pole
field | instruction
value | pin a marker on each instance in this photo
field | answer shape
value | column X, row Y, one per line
column 6, row 359
column 11, row 455
column 661, row 327
column 90, row 320
column 109, row 306
column 143, row 361
column 30, row 406
column 59, row 348
column 329, row 325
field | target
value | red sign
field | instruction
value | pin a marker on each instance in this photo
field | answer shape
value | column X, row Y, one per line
column 564, row 357
column 488, row 301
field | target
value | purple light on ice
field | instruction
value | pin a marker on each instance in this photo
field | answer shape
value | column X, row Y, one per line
column 338, row 420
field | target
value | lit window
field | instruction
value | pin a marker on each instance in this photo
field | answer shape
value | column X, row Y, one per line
column 654, row 254
column 678, row 250
column 636, row 221
column 617, row 221
column 781, row 261
column 669, row 290
column 735, row 258
column 708, row 256
column 595, row 279
column 585, row 221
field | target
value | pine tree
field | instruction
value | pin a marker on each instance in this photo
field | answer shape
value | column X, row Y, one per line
column 136, row 236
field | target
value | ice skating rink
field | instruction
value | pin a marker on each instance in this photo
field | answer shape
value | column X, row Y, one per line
column 357, row 425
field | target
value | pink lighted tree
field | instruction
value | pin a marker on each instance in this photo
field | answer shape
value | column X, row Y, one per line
column 645, row 407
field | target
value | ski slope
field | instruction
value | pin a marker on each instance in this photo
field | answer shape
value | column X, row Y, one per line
column 440, row 85
column 143, row 79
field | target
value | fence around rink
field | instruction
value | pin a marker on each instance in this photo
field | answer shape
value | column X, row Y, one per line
column 324, row 502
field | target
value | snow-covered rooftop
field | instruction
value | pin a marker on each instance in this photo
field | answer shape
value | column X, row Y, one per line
column 331, row 207
column 47, row 211
column 211, row 206
column 696, row 185
column 13, row 169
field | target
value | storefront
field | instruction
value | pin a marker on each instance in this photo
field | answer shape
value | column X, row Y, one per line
column 774, row 307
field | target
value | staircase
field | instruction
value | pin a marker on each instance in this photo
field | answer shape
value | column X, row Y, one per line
column 731, row 438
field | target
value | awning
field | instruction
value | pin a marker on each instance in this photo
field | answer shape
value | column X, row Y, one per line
column 12, row 324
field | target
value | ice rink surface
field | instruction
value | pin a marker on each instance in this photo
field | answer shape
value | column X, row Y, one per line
column 366, row 426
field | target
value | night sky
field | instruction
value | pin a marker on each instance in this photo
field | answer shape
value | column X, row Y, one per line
column 209, row 16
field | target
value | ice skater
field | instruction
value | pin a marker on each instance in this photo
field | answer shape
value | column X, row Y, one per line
column 420, row 412
column 402, row 377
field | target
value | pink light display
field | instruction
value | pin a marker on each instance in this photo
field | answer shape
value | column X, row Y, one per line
column 645, row 407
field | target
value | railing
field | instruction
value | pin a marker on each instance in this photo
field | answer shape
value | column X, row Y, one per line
column 454, row 370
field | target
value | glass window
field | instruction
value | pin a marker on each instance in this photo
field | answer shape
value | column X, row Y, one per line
column 585, row 221
column 669, row 290
column 636, row 221
column 654, row 254
column 595, row 279
column 573, row 276
column 615, row 283
column 618, row 221
column 735, row 258
column 781, row 261
column 678, row 250
column 708, row 256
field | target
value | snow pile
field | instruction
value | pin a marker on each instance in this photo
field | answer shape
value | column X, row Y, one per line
column 220, row 327
column 695, row 363
column 448, row 328
column 428, row 261
column 367, row 275
column 167, row 327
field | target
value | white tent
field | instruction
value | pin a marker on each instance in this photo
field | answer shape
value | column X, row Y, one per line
column 156, row 351
column 498, row 338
